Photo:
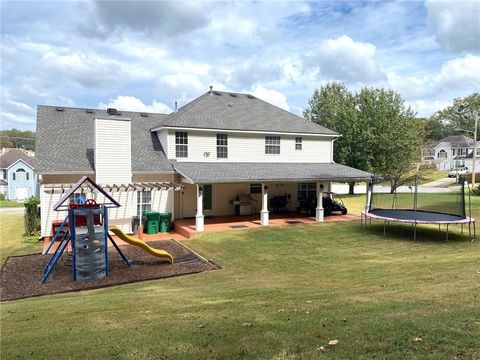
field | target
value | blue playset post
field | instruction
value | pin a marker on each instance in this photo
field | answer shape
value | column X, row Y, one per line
column 88, row 234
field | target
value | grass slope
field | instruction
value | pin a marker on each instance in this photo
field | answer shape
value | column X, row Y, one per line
column 283, row 292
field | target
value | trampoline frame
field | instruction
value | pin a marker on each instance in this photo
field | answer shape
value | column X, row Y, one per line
column 367, row 215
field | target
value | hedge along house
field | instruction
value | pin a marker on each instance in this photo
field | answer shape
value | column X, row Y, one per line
column 222, row 148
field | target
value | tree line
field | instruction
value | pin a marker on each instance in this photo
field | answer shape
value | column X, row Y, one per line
column 17, row 139
column 380, row 134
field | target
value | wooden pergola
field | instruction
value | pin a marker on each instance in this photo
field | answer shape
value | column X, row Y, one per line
column 136, row 186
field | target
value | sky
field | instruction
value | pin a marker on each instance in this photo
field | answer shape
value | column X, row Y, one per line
column 145, row 55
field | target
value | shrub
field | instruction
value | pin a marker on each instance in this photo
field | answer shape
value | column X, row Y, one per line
column 476, row 190
column 32, row 239
column 32, row 216
column 2, row 197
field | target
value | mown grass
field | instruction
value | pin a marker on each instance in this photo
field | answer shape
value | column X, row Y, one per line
column 12, row 239
column 10, row 204
column 282, row 294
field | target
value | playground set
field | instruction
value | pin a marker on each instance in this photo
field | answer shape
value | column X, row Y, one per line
column 86, row 230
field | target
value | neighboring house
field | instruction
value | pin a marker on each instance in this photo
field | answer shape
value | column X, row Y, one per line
column 18, row 178
column 468, row 160
column 448, row 153
column 221, row 146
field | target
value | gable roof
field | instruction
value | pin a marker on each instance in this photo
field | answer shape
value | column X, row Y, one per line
column 457, row 141
column 66, row 140
column 14, row 155
column 243, row 112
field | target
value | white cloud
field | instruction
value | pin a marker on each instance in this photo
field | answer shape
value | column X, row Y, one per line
column 346, row 60
column 131, row 103
column 86, row 69
column 16, row 113
column 425, row 108
column 456, row 23
column 461, row 74
column 272, row 96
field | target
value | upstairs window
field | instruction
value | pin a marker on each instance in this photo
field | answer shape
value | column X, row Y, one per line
column 20, row 175
column 298, row 143
column 272, row 144
column 181, row 144
column 144, row 202
column 222, row 146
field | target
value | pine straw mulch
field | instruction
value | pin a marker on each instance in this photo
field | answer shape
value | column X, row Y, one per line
column 20, row 275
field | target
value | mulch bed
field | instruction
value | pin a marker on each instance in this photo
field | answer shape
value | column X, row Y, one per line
column 20, row 275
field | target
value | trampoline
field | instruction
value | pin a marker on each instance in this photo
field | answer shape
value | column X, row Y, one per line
column 413, row 207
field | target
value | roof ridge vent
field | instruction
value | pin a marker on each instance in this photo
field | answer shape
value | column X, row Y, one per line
column 112, row 111
column 89, row 111
column 143, row 114
column 233, row 95
column 59, row 108
column 218, row 93
column 250, row 96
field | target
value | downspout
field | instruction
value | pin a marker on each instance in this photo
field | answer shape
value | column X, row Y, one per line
column 331, row 150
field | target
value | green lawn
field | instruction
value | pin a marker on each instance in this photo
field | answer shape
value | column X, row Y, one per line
column 10, row 204
column 11, row 237
column 282, row 294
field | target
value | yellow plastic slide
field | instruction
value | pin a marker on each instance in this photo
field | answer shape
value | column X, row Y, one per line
column 141, row 244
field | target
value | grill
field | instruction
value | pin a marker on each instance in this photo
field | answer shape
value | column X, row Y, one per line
column 243, row 204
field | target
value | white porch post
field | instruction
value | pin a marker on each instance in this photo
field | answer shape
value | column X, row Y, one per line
column 264, row 211
column 368, row 196
column 319, row 208
column 199, row 223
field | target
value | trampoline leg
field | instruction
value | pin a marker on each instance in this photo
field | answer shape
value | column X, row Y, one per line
column 414, row 231
column 474, row 232
column 446, row 234
column 462, row 228
column 384, row 228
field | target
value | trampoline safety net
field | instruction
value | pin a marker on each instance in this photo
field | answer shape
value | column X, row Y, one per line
column 410, row 197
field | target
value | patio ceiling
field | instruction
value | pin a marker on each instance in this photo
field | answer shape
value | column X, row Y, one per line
column 234, row 172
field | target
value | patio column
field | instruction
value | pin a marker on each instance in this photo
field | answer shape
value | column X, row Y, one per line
column 199, row 223
column 264, row 211
column 319, row 208
column 368, row 196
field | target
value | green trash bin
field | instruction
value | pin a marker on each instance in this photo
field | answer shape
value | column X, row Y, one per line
column 165, row 222
column 151, row 222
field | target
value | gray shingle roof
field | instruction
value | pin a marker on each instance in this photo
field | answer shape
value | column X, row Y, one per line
column 234, row 111
column 238, row 172
column 457, row 141
column 66, row 141
column 12, row 156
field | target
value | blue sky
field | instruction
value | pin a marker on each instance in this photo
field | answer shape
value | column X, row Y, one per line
column 145, row 55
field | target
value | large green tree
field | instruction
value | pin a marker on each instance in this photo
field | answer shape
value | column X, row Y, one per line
column 379, row 133
column 460, row 115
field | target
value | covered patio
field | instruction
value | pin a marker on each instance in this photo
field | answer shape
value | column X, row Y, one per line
column 204, row 178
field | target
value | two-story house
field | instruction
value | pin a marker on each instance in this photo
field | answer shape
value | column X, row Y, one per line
column 449, row 152
column 18, row 178
column 222, row 147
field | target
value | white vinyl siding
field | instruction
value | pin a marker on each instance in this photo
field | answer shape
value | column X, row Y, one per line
column 113, row 151
column 251, row 148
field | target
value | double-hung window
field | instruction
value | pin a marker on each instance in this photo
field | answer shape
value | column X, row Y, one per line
column 307, row 191
column 144, row 202
column 298, row 143
column 181, row 144
column 222, row 146
column 272, row 144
